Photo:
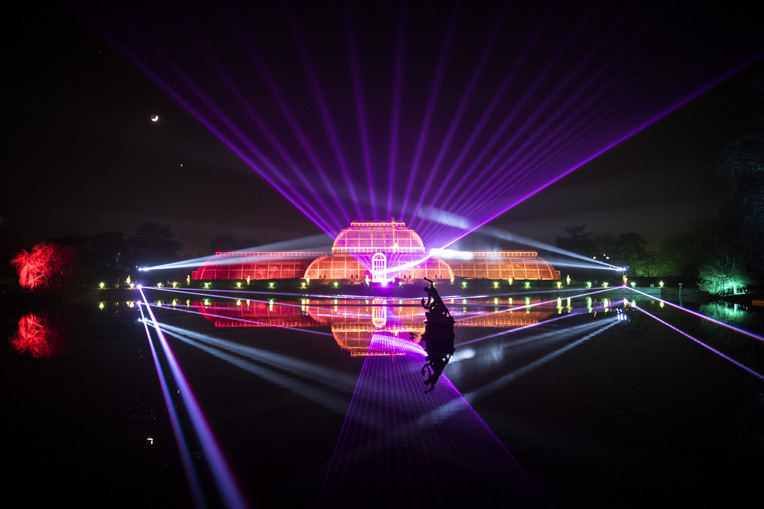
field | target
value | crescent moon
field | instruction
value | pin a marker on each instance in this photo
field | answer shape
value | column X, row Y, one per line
column 155, row 118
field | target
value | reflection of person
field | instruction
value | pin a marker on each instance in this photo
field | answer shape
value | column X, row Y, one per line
column 438, row 335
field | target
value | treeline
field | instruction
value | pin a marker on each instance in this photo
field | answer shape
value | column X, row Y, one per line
column 720, row 254
column 707, row 253
column 108, row 257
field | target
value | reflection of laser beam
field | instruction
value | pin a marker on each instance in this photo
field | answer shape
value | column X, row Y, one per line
column 514, row 329
column 226, row 483
column 245, row 320
column 541, row 303
column 710, row 349
column 180, row 440
column 392, row 429
column 510, row 377
column 237, row 294
column 253, row 360
column 700, row 315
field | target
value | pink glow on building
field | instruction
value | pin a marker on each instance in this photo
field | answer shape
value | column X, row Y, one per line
column 374, row 251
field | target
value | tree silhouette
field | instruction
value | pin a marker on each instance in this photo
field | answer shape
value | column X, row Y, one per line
column 578, row 240
column 153, row 244
column 741, row 166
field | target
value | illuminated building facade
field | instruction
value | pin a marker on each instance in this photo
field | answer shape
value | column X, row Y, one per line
column 374, row 251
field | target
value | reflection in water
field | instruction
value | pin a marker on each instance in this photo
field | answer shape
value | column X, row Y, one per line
column 438, row 336
column 37, row 336
column 353, row 322
column 730, row 313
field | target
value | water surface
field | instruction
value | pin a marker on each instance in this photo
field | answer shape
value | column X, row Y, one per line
column 586, row 402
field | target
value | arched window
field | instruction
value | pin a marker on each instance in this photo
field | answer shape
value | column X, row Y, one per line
column 379, row 268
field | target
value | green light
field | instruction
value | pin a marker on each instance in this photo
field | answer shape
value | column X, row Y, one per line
column 464, row 284
column 336, row 284
column 559, row 284
column 271, row 285
column 495, row 284
column 604, row 285
column 527, row 284
column 588, row 284
column 207, row 285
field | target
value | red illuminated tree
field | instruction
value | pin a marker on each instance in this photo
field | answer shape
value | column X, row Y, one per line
column 40, row 268
column 37, row 336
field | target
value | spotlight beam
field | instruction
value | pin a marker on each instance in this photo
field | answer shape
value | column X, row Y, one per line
column 359, row 105
column 424, row 130
column 513, row 237
column 326, row 115
column 540, row 187
column 466, row 97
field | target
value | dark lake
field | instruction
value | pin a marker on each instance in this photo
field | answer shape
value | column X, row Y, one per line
column 276, row 401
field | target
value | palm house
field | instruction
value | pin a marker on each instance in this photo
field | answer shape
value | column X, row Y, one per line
column 374, row 251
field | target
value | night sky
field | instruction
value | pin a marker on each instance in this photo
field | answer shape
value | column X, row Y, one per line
column 87, row 158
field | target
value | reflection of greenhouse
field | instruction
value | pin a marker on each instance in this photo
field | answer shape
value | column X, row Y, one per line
column 354, row 322
column 374, row 251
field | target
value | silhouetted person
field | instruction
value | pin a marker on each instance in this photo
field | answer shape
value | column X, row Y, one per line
column 438, row 335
